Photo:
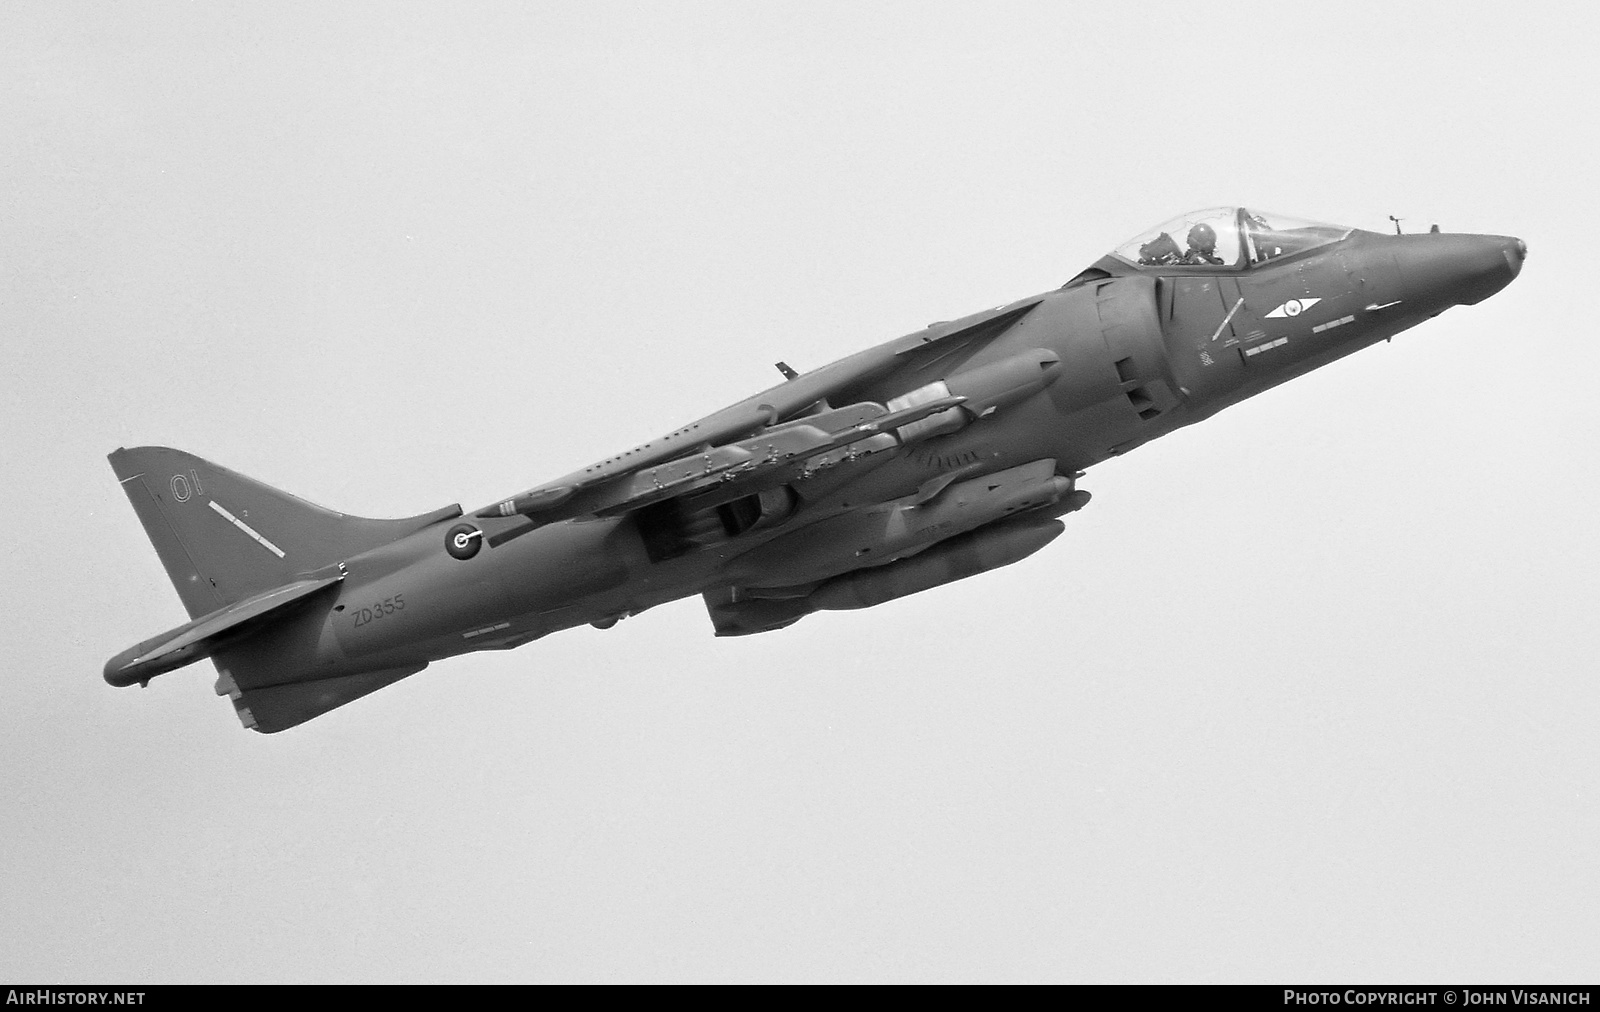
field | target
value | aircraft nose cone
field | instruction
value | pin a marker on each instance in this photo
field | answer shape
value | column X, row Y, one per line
column 1459, row 269
column 1515, row 254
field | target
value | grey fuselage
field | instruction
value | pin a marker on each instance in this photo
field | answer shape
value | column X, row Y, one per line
column 941, row 454
column 1143, row 351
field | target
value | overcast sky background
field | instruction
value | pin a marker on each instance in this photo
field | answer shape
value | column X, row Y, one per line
column 1307, row 692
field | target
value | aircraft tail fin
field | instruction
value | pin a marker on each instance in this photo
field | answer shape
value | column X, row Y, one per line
column 224, row 537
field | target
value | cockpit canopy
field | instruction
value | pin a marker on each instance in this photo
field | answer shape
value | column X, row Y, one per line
column 1226, row 237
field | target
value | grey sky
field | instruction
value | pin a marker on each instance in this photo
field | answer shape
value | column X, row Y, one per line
column 1307, row 692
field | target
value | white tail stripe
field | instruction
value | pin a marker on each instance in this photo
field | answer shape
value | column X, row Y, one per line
column 235, row 521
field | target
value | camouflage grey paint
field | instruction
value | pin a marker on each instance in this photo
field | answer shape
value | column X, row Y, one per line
column 936, row 456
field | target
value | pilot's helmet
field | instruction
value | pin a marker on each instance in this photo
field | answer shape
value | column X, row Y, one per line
column 1203, row 238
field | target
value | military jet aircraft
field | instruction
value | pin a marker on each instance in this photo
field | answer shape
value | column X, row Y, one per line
column 942, row 454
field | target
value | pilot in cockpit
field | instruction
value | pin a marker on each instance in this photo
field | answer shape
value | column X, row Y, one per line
column 1202, row 246
column 1163, row 250
column 1226, row 237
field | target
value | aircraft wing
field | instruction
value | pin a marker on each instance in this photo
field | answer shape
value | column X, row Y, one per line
column 760, row 433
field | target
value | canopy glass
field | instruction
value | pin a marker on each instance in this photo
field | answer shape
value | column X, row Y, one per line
column 1227, row 237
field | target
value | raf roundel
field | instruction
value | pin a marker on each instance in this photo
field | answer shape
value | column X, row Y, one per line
column 463, row 541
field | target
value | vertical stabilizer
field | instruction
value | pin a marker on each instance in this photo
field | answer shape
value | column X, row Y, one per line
column 224, row 537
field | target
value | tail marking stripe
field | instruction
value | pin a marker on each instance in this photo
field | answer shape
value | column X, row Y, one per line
column 235, row 521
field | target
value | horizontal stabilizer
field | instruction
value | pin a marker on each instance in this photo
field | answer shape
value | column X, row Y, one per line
column 206, row 635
